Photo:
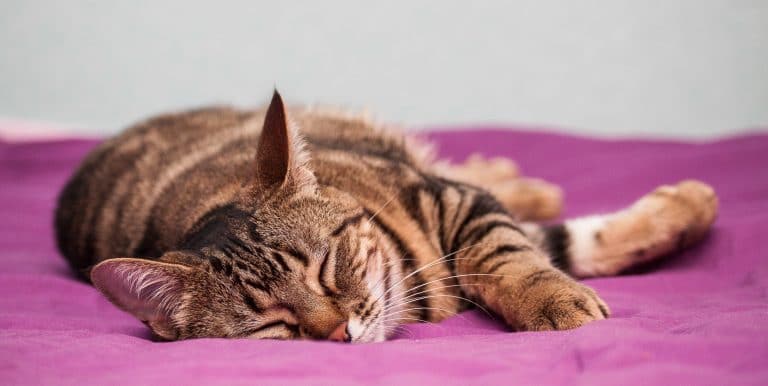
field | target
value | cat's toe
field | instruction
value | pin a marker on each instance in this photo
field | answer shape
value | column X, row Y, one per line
column 689, row 208
column 562, row 306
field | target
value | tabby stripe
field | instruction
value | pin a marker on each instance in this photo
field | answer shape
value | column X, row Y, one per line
column 90, row 222
column 557, row 241
column 357, row 265
column 535, row 277
column 411, row 197
column 229, row 252
column 498, row 265
column 204, row 231
column 347, row 222
column 209, row 149
column 456, row 214
column 149, row 245
column 266, row 267
column 435, row 190
column 302, row 258
column 273, row 271
column 480, row 231
column 228, row 268
column 367, row 323
column 250, row 302
column 240, row 244
column 441, row 224
column 71, row 235
column 368, row 310
column 256, row 285
column 499, row 252
column 482, row 205
column 280, row 260
column 387, row 281
column 215, row 263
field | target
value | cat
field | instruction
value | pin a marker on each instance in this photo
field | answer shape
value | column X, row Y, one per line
column 297, row 223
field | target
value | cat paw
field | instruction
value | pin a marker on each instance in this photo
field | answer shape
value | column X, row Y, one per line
column 689, row 208
column 557, row 302
column 492, row 169
column 529, row 199
column 664, row 221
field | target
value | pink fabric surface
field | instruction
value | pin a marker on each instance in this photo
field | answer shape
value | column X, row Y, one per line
column 700, row 317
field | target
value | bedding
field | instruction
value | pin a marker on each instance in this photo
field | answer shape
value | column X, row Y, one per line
column 698, row 317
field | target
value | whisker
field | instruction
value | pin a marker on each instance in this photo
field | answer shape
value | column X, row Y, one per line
column 437, row 288
column 382, row 207
column 386, row 277
column 455, row 297
column 385, row 316
column 454, row 277
column 440, row 260
column 428, row 290
column 407, row 318
column 468, row 275
column 391, row 330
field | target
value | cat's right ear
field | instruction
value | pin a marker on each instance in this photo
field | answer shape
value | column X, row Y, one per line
column 149, row 290
column 280, row 157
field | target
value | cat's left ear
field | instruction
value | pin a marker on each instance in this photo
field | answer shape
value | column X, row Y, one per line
column 151, row 291
column 281, row 160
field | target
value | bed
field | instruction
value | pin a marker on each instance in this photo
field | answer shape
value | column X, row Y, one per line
column 699, row 317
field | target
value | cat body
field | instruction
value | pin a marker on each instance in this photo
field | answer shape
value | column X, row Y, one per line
column 299, row 223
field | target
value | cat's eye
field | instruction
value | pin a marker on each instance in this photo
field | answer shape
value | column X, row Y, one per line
column 276, row 330
column 325, row 277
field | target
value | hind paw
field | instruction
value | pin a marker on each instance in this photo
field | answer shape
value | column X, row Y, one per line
column 666, row 220
column 687, row 209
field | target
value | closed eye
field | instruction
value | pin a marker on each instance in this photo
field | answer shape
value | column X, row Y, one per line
column 276, row 330
column 323, row 277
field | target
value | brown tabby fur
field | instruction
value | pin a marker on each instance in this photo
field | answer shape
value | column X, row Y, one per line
column 295, row 223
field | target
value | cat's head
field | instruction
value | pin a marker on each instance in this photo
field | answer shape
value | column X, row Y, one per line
column 289, row 259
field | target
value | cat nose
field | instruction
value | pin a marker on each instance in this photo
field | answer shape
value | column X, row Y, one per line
column 340, row 333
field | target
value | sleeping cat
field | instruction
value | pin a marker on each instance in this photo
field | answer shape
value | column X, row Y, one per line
column 299, row 223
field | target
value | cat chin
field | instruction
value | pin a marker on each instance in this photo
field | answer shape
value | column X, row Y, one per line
column 375, row 332
column 372, row 337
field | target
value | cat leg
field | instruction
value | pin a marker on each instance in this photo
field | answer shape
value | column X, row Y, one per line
column 661, row 222
column 529, row 199
column 481, row 171
column 499, row 266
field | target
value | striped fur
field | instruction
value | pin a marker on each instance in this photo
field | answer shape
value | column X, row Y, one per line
column 297, row 223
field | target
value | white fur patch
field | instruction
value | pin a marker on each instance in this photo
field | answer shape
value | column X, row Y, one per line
column 355, row 328
column 583, row 247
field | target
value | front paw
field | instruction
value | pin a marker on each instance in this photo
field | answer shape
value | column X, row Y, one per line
column 554, row 301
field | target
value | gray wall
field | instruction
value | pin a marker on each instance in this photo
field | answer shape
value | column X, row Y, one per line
column 685, row 68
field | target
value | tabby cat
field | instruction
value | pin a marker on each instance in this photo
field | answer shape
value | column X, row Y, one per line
column 302, row 223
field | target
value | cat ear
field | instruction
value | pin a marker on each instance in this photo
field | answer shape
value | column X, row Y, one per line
column 280, row 157
column 149, row 290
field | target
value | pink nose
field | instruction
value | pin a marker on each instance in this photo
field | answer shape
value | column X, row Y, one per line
column 340, row 334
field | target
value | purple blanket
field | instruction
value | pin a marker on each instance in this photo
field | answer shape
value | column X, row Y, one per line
column 700, row 317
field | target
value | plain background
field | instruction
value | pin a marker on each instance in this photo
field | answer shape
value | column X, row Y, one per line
column 681, row 68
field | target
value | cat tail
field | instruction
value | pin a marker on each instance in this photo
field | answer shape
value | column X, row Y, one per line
column 670, row 218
